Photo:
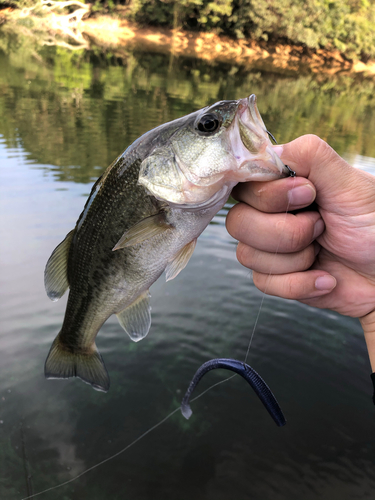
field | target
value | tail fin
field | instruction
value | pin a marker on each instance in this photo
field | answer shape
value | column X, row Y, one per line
column 63, row 363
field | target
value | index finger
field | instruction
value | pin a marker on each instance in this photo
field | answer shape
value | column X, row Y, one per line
column 276, row 196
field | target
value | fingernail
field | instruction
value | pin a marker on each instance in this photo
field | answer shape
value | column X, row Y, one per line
column 325, row 283
column 318, row 228
column 301, row 195
column 278, row 150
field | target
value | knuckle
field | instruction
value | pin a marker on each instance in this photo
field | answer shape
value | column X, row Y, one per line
column 308, row 258
column 231, row 221
column 251, row 258
column 258, row 280
column 296, row 287
column 296, row 237
column 317, row 145
column 237, row 222
column 288, row 290
column 313, row 140
column 242, row 254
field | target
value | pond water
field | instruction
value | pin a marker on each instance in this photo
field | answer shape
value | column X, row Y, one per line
column 64, row 117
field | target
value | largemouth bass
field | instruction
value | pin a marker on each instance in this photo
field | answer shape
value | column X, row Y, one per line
column 143, row 217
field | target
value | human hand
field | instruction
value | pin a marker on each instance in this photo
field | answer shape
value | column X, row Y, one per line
column 325, row 254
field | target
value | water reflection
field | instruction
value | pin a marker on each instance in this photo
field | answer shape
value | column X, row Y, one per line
column 365, row 163
column 76, row 111
column 65, row 117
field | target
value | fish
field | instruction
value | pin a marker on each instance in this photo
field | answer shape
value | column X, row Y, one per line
column 143, row 218
column 261, row 389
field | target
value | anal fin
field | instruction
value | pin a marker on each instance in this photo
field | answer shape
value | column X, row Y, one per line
column 180, row 260
column 62, row 362
column 136, row 318
column 56, row 271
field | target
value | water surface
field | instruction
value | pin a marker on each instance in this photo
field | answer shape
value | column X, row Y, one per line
column 64, row 117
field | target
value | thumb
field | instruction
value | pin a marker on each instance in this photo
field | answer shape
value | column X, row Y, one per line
column 335, row 180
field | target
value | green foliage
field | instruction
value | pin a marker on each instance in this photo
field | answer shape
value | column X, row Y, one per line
column 27, row 22
column 346, row 25
column 20, row 4
column 200, row 14
column 72, row 108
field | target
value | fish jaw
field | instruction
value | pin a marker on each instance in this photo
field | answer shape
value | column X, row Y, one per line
column 251, row 146
column 196, row 169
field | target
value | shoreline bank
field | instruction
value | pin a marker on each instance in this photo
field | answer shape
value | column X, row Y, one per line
column 283, row 58
column 114, row 33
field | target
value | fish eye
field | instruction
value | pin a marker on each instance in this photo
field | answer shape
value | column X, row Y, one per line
column 208, row 123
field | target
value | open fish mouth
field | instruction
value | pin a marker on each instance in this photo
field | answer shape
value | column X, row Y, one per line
column 209, row 153
column 255, row 138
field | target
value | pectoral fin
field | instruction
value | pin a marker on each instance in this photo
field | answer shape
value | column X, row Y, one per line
column 136, row 318
column 180, row 260
column 56, row 271
column 145, row 229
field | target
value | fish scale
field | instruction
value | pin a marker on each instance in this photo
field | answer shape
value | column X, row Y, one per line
column 101, row 230
column 143, row 217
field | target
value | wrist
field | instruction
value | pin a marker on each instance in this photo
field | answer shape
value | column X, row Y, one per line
column 368, row 325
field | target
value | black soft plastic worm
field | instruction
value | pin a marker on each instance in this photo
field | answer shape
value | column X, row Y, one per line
column 251, row 376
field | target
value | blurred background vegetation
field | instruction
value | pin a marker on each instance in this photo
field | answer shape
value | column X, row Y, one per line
column 345, row 25
column 82, row 108
column 100, row 96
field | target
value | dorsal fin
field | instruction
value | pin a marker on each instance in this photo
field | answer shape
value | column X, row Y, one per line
column 56, row 271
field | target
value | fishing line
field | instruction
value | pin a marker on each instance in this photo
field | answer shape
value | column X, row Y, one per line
column 264, row 293
column 106, row 459
column 268, row 281
column 126, row 447
column 269, row 278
